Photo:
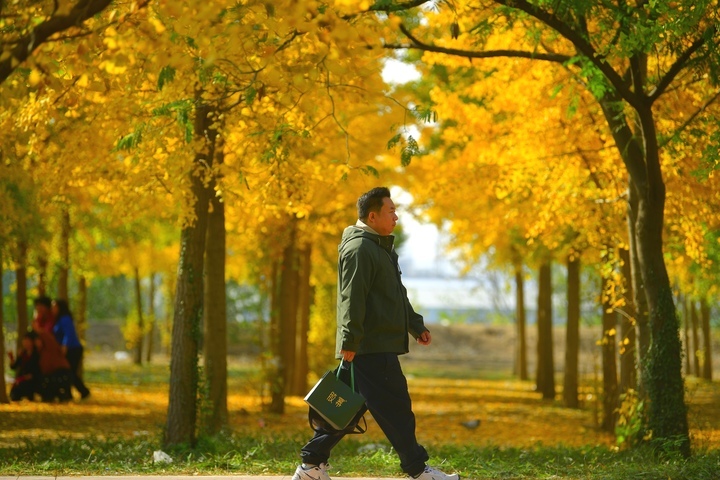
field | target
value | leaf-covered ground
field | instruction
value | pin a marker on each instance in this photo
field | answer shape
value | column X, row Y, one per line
column 130, row 401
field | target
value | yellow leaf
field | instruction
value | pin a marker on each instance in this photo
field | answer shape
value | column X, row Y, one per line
column 157, row 24
column 82, row 81
column 34, row 77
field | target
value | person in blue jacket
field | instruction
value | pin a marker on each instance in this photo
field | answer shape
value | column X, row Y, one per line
column 66, row 335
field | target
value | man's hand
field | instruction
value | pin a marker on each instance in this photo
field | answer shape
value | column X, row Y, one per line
column 347, row 356
column 425, row 338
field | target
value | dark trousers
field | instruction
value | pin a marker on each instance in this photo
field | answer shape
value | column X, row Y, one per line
column 74, row 357
column 379, row 378
column 56, row 385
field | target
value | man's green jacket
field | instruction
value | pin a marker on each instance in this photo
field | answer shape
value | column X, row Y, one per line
column 374, row 314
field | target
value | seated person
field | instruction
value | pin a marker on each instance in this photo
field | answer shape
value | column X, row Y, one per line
column 56, row 377
column 27, row 369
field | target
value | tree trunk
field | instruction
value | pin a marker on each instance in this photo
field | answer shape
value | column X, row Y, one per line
column 302, row 368
column 694, row 326
column 667, row 415
column 707, row 340
column 570, row 386
column 609, row 362
column 275, row 376
column 289, row 302
column 628, row 364
column 686, row 328
column 3, row 387
column 182, row 404
column 21, row 294
column 81, row 317
column 81, row 310
column 140, row 321
column 151, row 318
column 545, row 361
column 642, row 321
column 215, row 415
column 64, row 277
column 170, row 286
column 521, row 355
column 661, row 378
column 42, row 276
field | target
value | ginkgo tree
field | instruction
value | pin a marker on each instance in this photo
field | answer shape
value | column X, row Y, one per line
column 628, row 56
column 287, row 102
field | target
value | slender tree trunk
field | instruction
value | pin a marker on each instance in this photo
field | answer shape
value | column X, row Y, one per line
column 289, row 301
column 184, row 375
column 302, row 368
column 42, row 276
column 686, row 327
column 545, row 361
column 695, row 338
column 151, row 318
column 609, row 362
column 642, row 321
column 628, row 363
column 64, row 277
column 81, row 317
column 275, row 374
column 140, row 321
column 215, row 416
column 81, row 310
column 707, row 372
column 521, row 355
column 21, row 294
column 3, row 387
column 170, row 286
column 570, row 386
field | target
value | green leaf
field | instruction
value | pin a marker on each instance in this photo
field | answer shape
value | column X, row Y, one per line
column 167, row 75
column 370, row 170
column 131, row 140
column 250, row 94
column 393, row 142
column 412, row 149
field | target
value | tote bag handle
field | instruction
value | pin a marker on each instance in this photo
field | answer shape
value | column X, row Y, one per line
column 352, row 374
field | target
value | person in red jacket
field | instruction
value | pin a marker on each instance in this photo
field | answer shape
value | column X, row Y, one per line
column 43, row 318
column 56, row 375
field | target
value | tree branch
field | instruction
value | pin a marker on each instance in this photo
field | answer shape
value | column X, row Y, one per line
column 627, row 144
column 679, row 64
column 581, row 44
column 690, row 120
column 81, row 11
column 420, row 45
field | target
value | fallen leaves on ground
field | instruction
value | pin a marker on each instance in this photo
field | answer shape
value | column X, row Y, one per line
column 504, row 413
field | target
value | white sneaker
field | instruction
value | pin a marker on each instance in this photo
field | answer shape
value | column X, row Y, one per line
column 318, row 472
column 431, row 473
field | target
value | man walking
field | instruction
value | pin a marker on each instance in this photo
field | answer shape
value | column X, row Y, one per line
column 374, row 320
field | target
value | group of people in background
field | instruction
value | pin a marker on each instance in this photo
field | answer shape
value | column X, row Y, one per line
column 48, row 364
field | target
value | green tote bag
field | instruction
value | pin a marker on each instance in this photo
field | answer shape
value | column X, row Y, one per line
column 336, row 402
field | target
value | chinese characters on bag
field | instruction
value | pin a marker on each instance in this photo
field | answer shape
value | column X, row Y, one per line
column 334, row 398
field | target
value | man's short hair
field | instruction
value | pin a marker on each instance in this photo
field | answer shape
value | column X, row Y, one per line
column 42, row 300
column 371, row 201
